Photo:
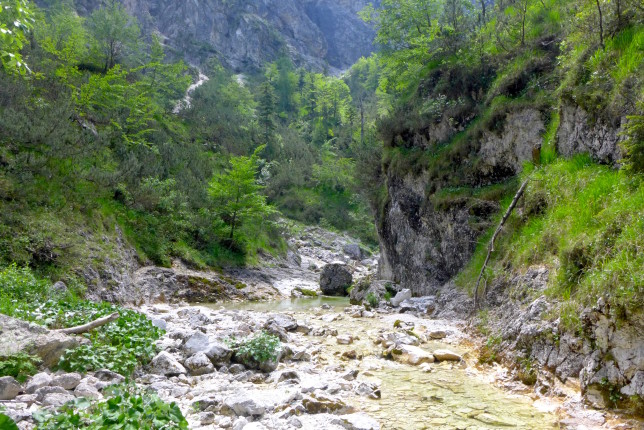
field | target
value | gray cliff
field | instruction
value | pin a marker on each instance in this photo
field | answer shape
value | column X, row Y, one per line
column 245, row 34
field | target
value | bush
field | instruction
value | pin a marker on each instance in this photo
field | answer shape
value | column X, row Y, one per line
column 120, row 346
column 20, row 366
column 128, row 407
column 373, row 300
column 261, row 348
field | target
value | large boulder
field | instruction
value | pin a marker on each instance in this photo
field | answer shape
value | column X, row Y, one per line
column 401, row 297
column 354, row 251
column 23, row 337
column 335, row 279
column 9, row 388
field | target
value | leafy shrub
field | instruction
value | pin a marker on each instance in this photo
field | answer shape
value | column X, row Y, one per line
column 120, row 346
column 7, row 423
column 20, row 366
column 128, row 407
column 261, row 348
column 373, row 300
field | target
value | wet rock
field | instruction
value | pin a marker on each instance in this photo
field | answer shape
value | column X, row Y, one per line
column 199, row 364
column 446, row 355
column 318, row 403
column 335, row 279
column 350, row 355
column 368, row 389
column 9, row 388
column 358, row 421
column 22, row 337
column 38, row 381
column 401, row 297
column 198, row 342
column 166, row 364
column 344, row 339
column 68, row 381
column 218, row 353
column 414, row 355
column 437, row 334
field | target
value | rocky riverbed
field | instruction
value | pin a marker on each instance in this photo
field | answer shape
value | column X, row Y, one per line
column 409, row 363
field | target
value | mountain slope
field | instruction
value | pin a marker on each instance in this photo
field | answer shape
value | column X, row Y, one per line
column 245, row 34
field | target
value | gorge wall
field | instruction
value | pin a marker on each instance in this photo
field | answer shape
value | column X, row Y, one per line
column 245, row 34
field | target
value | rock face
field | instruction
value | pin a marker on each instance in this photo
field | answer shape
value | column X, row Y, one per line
column 423, row 244
column 335, row 279
column 578, row 134
column 247, row 34
column 20, row 336
column 610, row 356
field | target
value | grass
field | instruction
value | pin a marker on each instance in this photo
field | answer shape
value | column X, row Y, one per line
column 586, row 223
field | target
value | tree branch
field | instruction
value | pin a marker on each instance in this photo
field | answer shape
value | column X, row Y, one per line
column 91, row 325
column 490, row 247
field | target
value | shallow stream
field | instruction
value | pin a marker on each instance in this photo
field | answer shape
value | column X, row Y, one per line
column 450, row 396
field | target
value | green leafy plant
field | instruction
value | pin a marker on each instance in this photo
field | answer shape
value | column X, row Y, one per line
column 20, row 366
column 127, row 407
column 373, row 300
column 261, row 347
column 7, row 423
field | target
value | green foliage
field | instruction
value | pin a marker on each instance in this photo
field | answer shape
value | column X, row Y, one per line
column 121, row 346
column 127, row 407
column 587, row 230
column 7, row 423
column 373, row 300
column 115, row 34
column 20, row 366
column 634, row 142
column 16, row 20
column 237, row 196
column 259, row 348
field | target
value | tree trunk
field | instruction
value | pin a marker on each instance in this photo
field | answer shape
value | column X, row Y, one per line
column 601, row 24
column 361, row 121
column 490, row 247
column 91, row 325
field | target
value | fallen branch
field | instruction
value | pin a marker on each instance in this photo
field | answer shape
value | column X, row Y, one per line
column 90, row 325
column 490, row 247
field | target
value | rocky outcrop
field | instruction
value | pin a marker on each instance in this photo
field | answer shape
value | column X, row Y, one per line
column 608, row 359
column 580, row 133
column 425, row 243
column 23, row 337
column 246, row 34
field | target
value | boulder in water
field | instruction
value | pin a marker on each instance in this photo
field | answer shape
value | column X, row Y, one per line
column 335, row 279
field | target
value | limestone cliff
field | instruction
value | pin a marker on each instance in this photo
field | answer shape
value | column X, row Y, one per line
column 245, row 34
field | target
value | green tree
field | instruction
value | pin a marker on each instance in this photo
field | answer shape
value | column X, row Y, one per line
column 16, row 20
column 266, row 114
column 237, row 194
column 115, row 34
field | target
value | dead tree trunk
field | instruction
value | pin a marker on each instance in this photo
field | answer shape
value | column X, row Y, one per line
column 91, row 325
column 490, row 247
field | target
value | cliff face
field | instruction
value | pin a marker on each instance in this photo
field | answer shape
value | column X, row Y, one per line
column 424, row 241
column 245, row 34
